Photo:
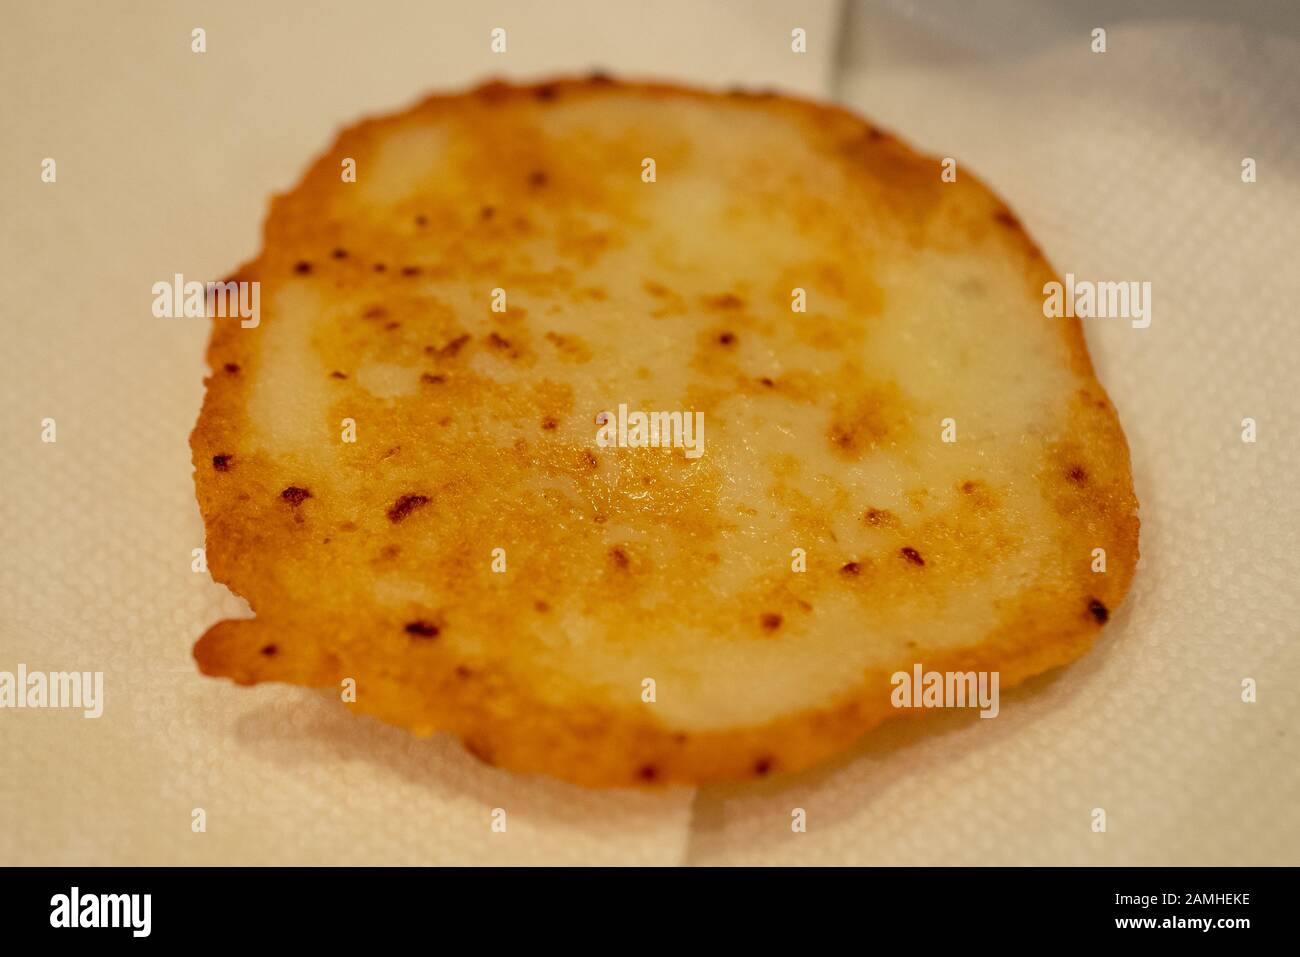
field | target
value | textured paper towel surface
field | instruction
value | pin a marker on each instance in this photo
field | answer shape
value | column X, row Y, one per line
column 1124, row 166
column 166, row 160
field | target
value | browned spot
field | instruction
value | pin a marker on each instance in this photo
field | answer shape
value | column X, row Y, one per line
column 671, row 302
column 375, row 312
column 762, row 766
column 541, row 606
column 1093, row 399
column 502, row 344
column 880, row 518
column 221, row 462
column 294, row 495
column 538, row 178
column 405, row 505
column 549, row 423
column 487, row 212
column 1006, row 218
column 770, row 621
column 850, row 568
column 336, row 374
column 768, row 382
column 748, row 94
column 422, row 629
column 422, row 220
column 589, row 459
column 390, row 326
column 546, row 92
column 410, row 270
column 619, row 557
column 913, row 189
column 977, row 495
column 448, row 349
column 912, row 555
column 379, row 267
column 389, row 552
column 302, row 268
column 432, row 378
column 647, row 772
column 463, row 672
column 232, row 368
column 481, row 750
column 727, row 338
column 1098, row 611
column 269, row 650
column 340, row 253
column 870, row 419
column 571, row 347
column 726, row 300
column 1078, row 475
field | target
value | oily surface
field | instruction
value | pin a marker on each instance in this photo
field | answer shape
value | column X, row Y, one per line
column 475, row 430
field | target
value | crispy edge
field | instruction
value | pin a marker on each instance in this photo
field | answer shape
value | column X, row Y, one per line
column 505, row 726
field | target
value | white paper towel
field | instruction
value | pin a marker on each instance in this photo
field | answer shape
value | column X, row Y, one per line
column 1124, row 166
column 165, row 162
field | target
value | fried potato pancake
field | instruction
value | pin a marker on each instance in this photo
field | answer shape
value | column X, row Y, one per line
column 915, row 468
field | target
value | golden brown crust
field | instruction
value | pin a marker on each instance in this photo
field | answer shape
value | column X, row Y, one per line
column 270, row 540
